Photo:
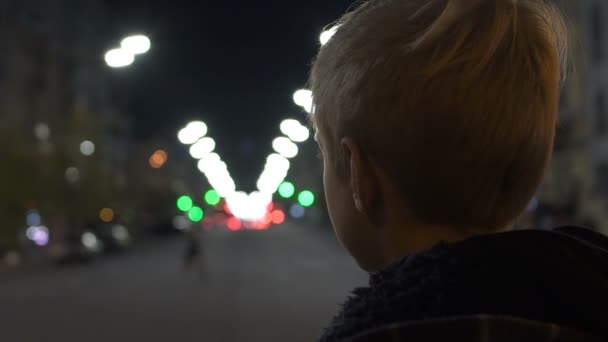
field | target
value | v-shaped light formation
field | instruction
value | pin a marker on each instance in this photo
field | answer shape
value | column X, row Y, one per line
column 253, row 206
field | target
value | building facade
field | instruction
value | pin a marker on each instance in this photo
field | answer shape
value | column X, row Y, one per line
column 578, row 177
column 54, row 94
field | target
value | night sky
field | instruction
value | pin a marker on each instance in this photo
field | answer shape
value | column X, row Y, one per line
column 232, row 64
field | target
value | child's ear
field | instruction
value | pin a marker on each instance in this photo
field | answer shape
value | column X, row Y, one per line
column 363, row 180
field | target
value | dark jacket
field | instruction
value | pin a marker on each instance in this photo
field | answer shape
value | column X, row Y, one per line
column 558, row 277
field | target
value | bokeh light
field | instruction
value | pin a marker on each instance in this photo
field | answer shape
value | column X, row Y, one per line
column 267, row 220
column 278, row 217
column 295, row 130
column 202, row 148
column 39, row 235
column 42, row 131
column 119, row 58
column 33, row 218
column 297, row 211
column 136, row 45
column 181, row 223
column 303, row 98
column 192, row 133
column 72, row 175
column 158, row 159
column 196, row 214
column 234, row 224
column 252, row 207
column 326, row 35
column 212, row 198
column 106, row 215
column 90, row 241
column 285, row 147
column 87, row 148
column 185, row 203
column 306, row 198
column 274, row 173
column 287, row 190
column 121, row 233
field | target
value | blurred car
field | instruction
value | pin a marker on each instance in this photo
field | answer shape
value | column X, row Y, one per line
column 77, row 247
column 115, row 238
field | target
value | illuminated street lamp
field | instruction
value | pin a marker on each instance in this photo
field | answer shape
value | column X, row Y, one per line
column 129, row 48
column 119, row 58
column 327, row 34
column 303, row 98
column 136, row 45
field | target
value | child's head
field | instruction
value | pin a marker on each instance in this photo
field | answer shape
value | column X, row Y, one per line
column 446, row 107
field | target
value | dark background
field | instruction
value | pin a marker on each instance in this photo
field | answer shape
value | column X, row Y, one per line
column 233, row 64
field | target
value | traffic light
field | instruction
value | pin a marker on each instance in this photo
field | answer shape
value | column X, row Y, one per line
column 212, row 198
column 287, row 190
column 306, row 198
column 196, row 214
column 185, row 203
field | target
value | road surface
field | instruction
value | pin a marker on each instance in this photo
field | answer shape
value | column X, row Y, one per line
column 280, row 285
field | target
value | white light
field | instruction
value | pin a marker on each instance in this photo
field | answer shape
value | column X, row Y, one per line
column 119, row 58
column 295, row 131
column 285, row 147
column 72, row 175
column 42, row 131
column 202, row 148
column 38, row 234
column 289, row 125
column 224, row 187
column 87, row 148
column 276, row 161
column 89, row 240
column 270, row 185
column 303, row 98
column 121, row 233
column 211, row 158
column 274, row 173
column 208, row 162
column 252, row 207
column 301, row 135
column 199, row 127
column 213, row 169
column 327, row 34
column 181, row 223
column 188, row 137
column 136, row 45
column 192, row 133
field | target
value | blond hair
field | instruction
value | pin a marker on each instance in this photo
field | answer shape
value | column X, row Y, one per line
column 457, row 100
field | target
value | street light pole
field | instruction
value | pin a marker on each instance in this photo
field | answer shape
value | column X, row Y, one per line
column 129, row 48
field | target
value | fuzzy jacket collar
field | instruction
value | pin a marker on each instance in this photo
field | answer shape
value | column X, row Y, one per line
column 558, row 277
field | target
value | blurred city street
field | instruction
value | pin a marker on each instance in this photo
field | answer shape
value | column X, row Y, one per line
column 278, row 285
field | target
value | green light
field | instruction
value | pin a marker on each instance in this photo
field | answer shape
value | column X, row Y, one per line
column 185, row 203
column 196, row 214
column 212, row 197
column 287, row 190
column 306, row 198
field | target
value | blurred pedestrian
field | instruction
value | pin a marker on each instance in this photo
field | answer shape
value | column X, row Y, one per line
column 193, row 257
column 436, row 121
